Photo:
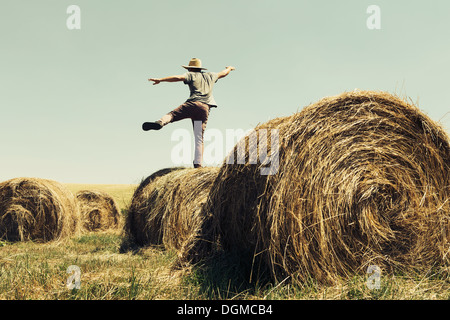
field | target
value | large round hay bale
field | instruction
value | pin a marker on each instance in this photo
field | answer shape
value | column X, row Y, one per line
column 167, row 209
column 36, row 209
column 98, row 210
column 363, row 178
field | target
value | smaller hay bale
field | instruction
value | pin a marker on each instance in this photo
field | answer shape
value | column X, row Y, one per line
column 168, row 210
column 37, row 209
column 99, row 211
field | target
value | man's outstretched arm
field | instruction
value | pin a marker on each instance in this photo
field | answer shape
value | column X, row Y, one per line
column 167, row 79
column 225, row 72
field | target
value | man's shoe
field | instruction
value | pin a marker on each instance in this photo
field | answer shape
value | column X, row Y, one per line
column 151, row 126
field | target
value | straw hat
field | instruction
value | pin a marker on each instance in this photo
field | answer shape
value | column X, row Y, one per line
column 194, row 64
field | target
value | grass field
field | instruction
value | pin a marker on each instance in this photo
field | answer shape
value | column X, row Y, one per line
column 38, row 271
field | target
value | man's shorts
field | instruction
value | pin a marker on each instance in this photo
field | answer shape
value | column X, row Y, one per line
column 191, row 109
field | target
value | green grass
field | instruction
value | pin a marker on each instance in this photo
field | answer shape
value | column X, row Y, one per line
column 39, row 271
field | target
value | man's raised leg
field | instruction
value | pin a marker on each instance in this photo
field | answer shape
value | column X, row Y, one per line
column 157, row 124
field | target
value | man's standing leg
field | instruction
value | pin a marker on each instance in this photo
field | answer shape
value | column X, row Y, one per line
column 199, row 130
column 199, row 120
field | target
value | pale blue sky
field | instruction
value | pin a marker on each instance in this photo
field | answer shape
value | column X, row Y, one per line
column 73, row 101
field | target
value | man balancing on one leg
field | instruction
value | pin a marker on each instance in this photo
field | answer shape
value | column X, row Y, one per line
column 197, row 106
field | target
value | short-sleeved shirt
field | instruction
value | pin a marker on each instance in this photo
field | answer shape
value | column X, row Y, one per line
column 201, row 86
